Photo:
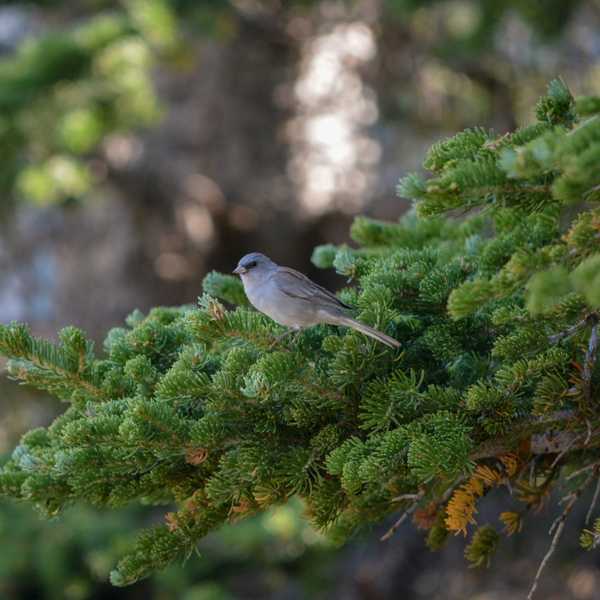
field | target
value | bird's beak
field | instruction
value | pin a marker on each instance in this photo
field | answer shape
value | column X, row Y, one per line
column 240, row 270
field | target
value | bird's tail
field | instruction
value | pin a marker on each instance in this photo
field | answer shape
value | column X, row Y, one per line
column 373, row 333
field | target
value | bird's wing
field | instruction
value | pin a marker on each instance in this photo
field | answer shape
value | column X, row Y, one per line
column 294, row 284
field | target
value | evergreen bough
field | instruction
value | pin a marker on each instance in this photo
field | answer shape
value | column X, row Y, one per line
column 497, row 382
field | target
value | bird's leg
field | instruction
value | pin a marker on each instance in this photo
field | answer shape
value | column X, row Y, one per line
column 296, row 331
column 291, row 331
column 283, row 335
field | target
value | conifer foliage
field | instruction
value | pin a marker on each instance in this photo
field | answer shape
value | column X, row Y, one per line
column 495, row 389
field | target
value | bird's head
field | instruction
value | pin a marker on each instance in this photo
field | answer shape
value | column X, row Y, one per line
column 254, row 265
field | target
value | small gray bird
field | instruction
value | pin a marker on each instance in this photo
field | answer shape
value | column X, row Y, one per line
column 293, row 300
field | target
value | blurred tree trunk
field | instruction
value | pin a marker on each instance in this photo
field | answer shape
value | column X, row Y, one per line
column 206, row 186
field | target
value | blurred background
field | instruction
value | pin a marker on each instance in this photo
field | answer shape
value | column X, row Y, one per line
column 146, row 142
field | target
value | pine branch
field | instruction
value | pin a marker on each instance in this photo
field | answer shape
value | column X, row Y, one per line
column 75, row 379
column 48, row 365
column 204, row 405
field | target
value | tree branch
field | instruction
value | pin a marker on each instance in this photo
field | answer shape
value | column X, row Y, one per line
column 567, row 333
column 558, row 527
column 540, row 435
column 409, row 511
column 590, row 511
column 590, row 361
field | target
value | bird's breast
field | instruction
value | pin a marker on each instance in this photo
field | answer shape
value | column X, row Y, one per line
column 270, row 300
column 258, row 295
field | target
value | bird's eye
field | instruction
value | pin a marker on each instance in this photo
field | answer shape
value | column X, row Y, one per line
column 251, row 264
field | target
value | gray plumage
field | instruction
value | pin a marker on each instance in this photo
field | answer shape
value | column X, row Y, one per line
column 293, row 300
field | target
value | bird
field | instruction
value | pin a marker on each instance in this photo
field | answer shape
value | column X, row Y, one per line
column 293, row 300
